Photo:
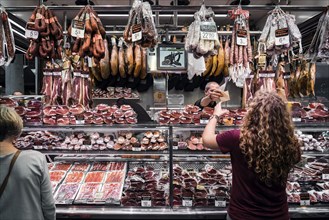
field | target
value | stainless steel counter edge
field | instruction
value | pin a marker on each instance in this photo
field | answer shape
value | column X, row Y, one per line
column 83, row 210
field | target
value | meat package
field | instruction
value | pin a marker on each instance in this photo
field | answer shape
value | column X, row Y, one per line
column 143, row 183
column 94, row 177
column 7, row 42
column 57, row 176
column 39, row 140
column 141, row 28
column 66, row 193
column 115, row 176
column 100, row 166
column 194, row 187
column 61, row 166
column 117, row 166
column 111, row 193
column 87, row 193
column 74, row 177
column 84, row 167
column 313, row 142
column 45, row 34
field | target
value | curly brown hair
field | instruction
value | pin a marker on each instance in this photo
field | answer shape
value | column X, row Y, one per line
column 267, row 139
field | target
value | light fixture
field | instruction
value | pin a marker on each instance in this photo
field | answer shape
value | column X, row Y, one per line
column 20, row 34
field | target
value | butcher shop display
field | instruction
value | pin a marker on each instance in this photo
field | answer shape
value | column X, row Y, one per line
column 319, row 47
column 115, row 93
column 45, row 35
column 241, row 57
column 141, row 29
column 7, row 41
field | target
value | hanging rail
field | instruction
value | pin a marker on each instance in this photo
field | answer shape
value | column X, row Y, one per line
column 170, row 9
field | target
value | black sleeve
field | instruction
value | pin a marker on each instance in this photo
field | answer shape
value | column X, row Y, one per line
column 198, row 103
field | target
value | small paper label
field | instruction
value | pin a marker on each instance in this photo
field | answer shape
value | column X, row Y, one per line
column 241, row 37
column 90, row 62
column 31, row 34
column 204, row 121
column 175, row 147
column 262, row 60
column 220, row 203
column 266, row 75
column 57, row 73
column 80, row 122
column 304, row 199
column 77, row 74
column 281, row 36
column 137, row 32
column 187, row 202
column 208, row 31
column 296, row 119
column 325, row 174
column 286, row 76
column 146, row 202
column 98, row 195
column 136, row 149
column 78, row 29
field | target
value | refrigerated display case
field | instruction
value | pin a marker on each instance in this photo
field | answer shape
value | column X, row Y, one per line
column 182, row 179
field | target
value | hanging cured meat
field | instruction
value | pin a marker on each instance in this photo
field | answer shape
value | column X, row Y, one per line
column 241, row 52
column 141, row 28
column 45, row 34
column 7, row 42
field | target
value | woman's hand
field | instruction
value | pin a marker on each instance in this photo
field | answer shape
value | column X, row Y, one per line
column 219, row 111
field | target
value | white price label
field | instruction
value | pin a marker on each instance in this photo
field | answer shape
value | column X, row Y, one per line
column 209, row 36
column 98, row 195
column 208, row 31
column 242, row 41
column 241, row 37
column 137, row 32
column 220, row 203
column 282, row 36
column 325, row 176
column 31, row 34
column 204, row 121
column 80, row 122
column 136, row 36
column 175, row 147
column 78, row 29
column 90, row 62
column 296, row 119
column 266, row 75
column 187, row 202
column 305, row 202
column 286, row 76
column 137, row 149
column 146, row 203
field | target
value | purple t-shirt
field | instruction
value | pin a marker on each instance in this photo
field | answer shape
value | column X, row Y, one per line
column 250, row 198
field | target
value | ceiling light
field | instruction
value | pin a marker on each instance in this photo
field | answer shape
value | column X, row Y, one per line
column 20, row 34
column 17, row 25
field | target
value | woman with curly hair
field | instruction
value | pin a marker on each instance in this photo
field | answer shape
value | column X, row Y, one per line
column 263, row 152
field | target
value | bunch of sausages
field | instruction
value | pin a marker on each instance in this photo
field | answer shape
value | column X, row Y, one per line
column 141, row 20
column 47, row 42
column 93, row 33
column 7, row 43
column 241, row 51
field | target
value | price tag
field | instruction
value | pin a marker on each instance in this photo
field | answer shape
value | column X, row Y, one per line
column 137, row 32
column 187, row 202
column 146, row 202
column 220, row 201
column 266, row 75
column 296, row 119
column 281, row 36
column 78, row 29
column 98, row 195
column 304, row 199
column 31, row 34
column 262, row 60
column 208, row 31
column 204, row 121
column 136, row 149
column 80, row 122
column 77, row 74
column 175, row 147
column 325, row 174
column 286, row 76
column 90, row 62
column 241, row 37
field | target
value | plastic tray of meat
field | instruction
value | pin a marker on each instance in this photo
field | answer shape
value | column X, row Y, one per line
column 87, row 193
column 61, row 166
column 74, row 177
column 66, row 193
column 117, row 166
column 100, row 166
column 115, row 177
column 80, row 167
column 95, row 177
column 111, row 193
column 57, row 176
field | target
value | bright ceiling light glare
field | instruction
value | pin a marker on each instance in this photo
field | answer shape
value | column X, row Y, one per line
column 17, row 25
column 20, row 34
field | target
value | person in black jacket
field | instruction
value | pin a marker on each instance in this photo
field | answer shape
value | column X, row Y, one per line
column 142, row 115
column 212, row 95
